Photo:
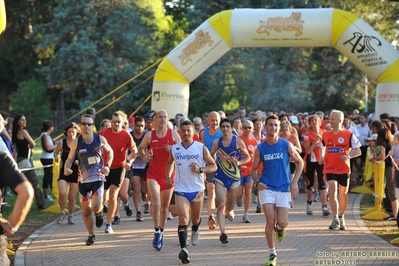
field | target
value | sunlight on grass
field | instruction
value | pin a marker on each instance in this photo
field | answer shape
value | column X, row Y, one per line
column 387, row 230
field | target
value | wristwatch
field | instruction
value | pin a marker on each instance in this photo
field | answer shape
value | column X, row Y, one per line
column 9, row 227
column 107, row 165
column 201, row 170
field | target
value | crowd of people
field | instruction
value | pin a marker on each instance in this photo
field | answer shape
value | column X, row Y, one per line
column 228, row 158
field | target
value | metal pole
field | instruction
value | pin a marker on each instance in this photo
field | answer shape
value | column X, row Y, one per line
column 366, row 94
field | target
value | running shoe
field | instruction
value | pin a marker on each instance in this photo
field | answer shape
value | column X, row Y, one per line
column 61, row 217
column 254, row 198
column 239, row 202
column 42, row 207
column 99, row 220
column 128, row 210
column 158, row 241
column 147, row 208
column 325, row 211
column 316, row 197
column 230, row 216
column 49, row 198
column 258, row 209
column 342, row 225
column 105, row 209
column 223, row 238
column 90, row 240
column 170, row 216
column 194, row 237
column 335, row 224
column 272, row 260
column 246, row 219
column 309, row 210
column 211, row 222
column 70, row 220
column 183, row 256
column 139, row 217
column 117, row 220
column 108, row 229
column 280, row 235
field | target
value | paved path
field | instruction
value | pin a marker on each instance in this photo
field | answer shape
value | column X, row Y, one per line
column 308, row 242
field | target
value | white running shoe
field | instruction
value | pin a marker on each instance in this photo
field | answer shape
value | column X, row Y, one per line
column 194, row 237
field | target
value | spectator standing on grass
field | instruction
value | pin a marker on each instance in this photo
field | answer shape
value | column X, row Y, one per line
column 47, row 156
column 23, row 147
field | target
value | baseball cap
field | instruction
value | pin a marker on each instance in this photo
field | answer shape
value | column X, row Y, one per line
column 148, row 116
column 131, row 120
column 373, row 137
column 294, row 119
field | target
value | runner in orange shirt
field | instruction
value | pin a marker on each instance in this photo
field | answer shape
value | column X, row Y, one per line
column 340, row 146
column 312, row 145
column 246, row 181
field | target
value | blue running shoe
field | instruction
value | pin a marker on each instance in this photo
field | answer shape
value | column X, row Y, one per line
column 156, row 243
column 161, row 242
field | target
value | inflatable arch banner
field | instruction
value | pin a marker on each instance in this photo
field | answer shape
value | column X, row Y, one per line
column 277, row 28
column 3, row 18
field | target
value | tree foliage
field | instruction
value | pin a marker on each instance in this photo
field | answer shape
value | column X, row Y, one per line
column 91, row 47
column 82, row 50
column 32, row 101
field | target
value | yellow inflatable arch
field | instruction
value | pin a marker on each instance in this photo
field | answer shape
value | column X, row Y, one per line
column 2, row 16
column 277, row 28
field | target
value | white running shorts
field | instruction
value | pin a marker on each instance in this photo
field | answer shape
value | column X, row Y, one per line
column 281, row 199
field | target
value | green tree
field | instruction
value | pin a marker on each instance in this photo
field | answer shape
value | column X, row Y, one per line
column 17, row 58
column 32, row 100
column 91, row 47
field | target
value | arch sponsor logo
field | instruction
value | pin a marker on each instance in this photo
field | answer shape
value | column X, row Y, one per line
column 162, row 95
column 365, row 48
column 280, row 24
column 388, row 97
column 201, row 40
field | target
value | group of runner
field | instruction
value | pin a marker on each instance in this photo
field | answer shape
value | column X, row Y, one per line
column 169, row 164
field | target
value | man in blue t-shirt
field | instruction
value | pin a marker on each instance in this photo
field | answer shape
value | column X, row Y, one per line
column 276, row 187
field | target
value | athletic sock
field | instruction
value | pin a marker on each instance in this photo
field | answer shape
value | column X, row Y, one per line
column 273, row 251
column 182, row 232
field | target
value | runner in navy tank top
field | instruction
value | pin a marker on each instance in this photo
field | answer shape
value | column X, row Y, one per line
column 227, row 150
column 89, row 147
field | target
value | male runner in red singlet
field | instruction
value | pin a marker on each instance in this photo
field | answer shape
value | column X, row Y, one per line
column 161, row 139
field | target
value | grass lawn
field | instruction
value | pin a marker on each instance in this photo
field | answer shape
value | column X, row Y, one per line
column 387, row 230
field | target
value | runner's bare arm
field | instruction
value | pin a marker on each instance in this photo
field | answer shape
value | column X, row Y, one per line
column 143, row 145
column 57, row 150
column 243, row 149
column 297, row 160
column 255, row 166
column 211, row 165
column 71, row 157
column 214, row 148
column 169, row 169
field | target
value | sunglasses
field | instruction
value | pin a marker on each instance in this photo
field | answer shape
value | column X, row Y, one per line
column 87, row 124
column 247, row 127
